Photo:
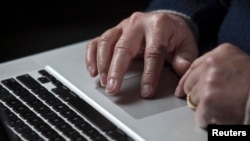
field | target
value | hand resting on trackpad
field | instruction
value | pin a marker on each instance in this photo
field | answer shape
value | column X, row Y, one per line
column 129, row 98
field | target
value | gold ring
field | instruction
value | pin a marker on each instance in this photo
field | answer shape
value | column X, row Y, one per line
column 190, row 104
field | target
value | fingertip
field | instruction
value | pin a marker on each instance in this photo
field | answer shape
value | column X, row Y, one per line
column 146, row 91
column 103, row 79
column 91, row 70
column 201, row 117
column 113, row 86
column 179, row 92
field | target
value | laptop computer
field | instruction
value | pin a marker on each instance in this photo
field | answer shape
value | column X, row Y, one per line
column 50, row 96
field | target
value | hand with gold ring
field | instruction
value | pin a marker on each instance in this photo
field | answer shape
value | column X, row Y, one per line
column 217, row 86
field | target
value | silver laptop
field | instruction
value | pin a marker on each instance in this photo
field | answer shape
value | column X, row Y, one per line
column 50, row 96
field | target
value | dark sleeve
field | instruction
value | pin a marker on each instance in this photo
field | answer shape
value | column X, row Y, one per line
column 207, row 15
column 188, row 7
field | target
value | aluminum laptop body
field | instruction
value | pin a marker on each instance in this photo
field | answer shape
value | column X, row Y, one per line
column 163, row 118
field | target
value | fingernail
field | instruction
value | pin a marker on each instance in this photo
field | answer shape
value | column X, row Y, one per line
column 91, row 70
column 146, row 90
column 112, row 83
column 103, row 79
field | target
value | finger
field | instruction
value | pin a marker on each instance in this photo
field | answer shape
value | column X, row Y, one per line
column 105, row 48
column 195, row 93
column 125, row 49
column 90, row 57
column 186, row 50
column 179, row 91
column 204, row 114
column 153, row 64
column 184, row 56
column 201, row 116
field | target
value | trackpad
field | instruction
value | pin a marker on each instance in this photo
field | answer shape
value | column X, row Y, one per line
column 129, row 98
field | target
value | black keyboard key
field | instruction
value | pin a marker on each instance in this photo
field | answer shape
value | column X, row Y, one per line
column 60, row 90
column 84, row 126
column 51, row 78
column 56, row 121
column 93, row 133
column 44, row 94
column 49, row 115
column 35, row 121
column 28, row 115
column 68, row 113
column 39, row 90
column 23, row 129
column 63, row 127
column 21, row 109
column 29, row 81
column 93, row 115
column 43, row 80
column 43, row 109
column 61, row 107
column 75, row 119
column 15, row 122
column 28, row 98
column 64, row 93
column 78, row 137
column 42, row 127
column 116, row 134
column 22, row 93
column 3, row 90
column 6, row 97
column 14, row 103
column 29, row 134
column 35, row 103
column 52, row 102
column 56, row 138
column 71, row 133
column 100, row 138
column 50, row 134
column 10, row 116
column 12, row 84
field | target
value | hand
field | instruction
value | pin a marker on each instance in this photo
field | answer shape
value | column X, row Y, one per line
column 218, row 83
column 156, row 36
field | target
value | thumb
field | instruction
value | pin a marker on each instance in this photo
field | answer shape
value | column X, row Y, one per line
column 183, row 58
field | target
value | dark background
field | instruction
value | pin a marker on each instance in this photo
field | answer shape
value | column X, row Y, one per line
column 29, row 27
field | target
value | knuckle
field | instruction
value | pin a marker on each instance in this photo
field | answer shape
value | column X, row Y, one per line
column 226, row 47
column 123, row 47
column 212, row 61
column 160, row 18
column 213, row 75
column 135, row 16
column 212, row 78
column 208, row 97
column 154, row 51
column 91, row 43
column 105, row 37
column 115, row 70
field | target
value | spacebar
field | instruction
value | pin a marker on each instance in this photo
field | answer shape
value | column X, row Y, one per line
column 93, row 115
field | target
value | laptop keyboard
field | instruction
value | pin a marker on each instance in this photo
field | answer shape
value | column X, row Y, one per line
column 43, row 108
